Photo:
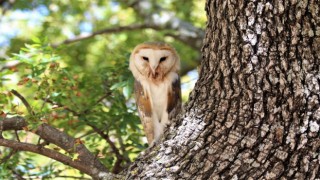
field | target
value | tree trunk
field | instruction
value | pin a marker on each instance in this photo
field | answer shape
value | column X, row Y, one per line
column 254, row 112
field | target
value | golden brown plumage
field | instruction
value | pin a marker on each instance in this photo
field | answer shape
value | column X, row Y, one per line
column 144, row 110
column 174, row 99
column 155, row 67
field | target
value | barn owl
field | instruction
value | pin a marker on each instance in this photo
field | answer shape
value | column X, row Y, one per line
column 155, row 67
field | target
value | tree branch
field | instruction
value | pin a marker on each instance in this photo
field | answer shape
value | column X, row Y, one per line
column 184, row 31
column 107, row 31
column 6, row 5
column 77, row 164
column 164, row 19
column 120, row 158
column 72, row 177
column 64, row 141
column 13, row 123
column 69, row 144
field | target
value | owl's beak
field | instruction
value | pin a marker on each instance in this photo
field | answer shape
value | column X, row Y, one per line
column 153, row 71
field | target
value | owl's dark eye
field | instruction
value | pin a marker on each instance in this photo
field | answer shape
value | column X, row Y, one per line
column 145, row 58
column 163, row 59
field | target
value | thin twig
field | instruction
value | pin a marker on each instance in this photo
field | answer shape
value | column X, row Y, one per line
column 106, row 137
column 120, row 158
column 17, row 136
column 87, row 134
column 73, row 111
column 97, row 102
column 61, row 105
column 44, row 102
column 42, row 144
column 122, row 146
column 17, row 175
column 12, row 152
column 24, row 101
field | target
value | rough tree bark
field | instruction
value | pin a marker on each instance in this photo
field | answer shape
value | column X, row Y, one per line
column 254, row 112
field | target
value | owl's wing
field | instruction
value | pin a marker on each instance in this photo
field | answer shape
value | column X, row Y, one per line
column 144, row 109
column 174, row 99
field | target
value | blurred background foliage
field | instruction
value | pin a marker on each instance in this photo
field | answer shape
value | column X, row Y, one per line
column 69, row 60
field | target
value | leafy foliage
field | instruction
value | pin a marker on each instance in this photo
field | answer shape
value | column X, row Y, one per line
column 83, row 89
column 67, row 98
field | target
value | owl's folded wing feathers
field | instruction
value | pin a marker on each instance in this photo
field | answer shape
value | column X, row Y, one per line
column 144, row 110
column 174, row 100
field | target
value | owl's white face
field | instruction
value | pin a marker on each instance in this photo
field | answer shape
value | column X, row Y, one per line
column 154, row 63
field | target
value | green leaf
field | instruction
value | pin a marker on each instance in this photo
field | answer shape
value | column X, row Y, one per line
column 127, row 91
column 36, row 39
column 118, row 85
column 75, row 156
